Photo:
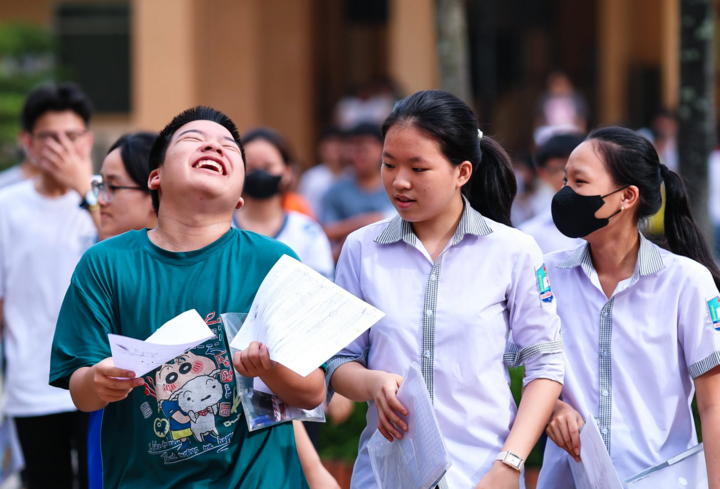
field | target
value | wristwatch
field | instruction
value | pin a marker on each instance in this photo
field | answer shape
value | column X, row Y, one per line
column 511, row 460
column 90, row 201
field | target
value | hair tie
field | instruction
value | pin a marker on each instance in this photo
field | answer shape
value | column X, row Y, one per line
column 480, row 134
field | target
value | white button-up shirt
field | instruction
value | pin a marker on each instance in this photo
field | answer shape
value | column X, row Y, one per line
column 453, row 316
column 631, row 359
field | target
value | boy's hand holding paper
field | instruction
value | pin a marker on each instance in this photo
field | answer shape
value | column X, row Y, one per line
column 302, row 318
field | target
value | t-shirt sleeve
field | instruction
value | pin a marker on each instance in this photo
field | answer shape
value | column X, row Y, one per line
column 86, row 317
column 347, row 276
column 534, row 323
column 699, row 323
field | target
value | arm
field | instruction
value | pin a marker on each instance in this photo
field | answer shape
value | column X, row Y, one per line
column 93, row 388
column 707, row 388
column 535, row 408
column 317, row 475
column 340, row 409
column 296, row 390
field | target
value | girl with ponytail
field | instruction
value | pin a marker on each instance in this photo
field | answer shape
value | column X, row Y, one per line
column 453, row 279
column 641, row 323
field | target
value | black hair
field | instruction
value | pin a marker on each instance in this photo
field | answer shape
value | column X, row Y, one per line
column 330, row 132
column 448, row 120
column 55, row 98
column 559, row 146
column 199, row 113
column 366, row 129
column 135, row 155
column 273, row 137
column 633, row 160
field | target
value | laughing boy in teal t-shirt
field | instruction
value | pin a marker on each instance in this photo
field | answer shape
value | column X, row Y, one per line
column 135, row 282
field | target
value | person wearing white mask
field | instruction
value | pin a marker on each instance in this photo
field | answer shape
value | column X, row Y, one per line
column 641, row 323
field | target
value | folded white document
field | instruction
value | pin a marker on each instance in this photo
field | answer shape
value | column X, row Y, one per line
column 303, row 318
column 687, row 470
column 596, row 470
column 172, row 339
column 419, row 459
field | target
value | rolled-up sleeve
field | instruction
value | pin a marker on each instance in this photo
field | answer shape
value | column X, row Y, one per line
column 699, row 323
column 534, row 323
column 347, row 276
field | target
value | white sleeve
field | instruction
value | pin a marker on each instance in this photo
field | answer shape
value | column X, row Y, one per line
column 3, row 258
column 699, row 323
column 347, row 276
column 319, row 255
column 534, row 323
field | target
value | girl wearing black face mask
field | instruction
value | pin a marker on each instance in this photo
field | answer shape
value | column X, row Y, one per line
column 641, row 323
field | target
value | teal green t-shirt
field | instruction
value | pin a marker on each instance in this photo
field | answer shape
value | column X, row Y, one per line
column 128, row 286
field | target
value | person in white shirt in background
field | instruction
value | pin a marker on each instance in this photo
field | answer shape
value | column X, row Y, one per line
column 268, row 161
column 641, row 324
column 550, row 161
column 453, row 279
column 18, row 173
column 43, row 234
column 318, row 179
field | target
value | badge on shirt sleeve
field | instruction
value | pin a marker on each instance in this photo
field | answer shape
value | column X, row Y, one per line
column 714, row 309
column 543, row 284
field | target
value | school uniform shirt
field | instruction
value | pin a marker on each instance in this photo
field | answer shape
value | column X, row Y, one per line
column 306, row 238
column 452, row 316
column 542, row 228
column 631, row 359
column 126, row 285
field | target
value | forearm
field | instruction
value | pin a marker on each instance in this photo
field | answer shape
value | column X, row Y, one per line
column 539, row 399
column 309, row 458
column 296, row 390
column 82, row 391
column 355, row 382
column 710, row 421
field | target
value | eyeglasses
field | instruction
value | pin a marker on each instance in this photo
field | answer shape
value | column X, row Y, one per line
column 107, row 190
column 73, row 136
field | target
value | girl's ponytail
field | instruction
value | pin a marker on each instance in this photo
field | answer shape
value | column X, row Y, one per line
column 683, row 235
column 492, row 187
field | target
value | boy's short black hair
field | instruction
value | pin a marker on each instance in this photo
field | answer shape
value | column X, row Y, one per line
column 366, row 129
column 199, row 113
column 53, row 97
column 559, row 146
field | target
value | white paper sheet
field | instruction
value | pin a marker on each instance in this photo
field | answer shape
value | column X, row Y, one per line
column 596, row 470
column 303, row 318
column 419, row 459
column 173, row 338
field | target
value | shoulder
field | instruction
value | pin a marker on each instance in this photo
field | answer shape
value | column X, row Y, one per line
column 684, row 272
column 301, row 222
column 10, row 176
column 261, row 247
column 509, row 237
column 367, row 234
column 15, row 191
column 556, row 257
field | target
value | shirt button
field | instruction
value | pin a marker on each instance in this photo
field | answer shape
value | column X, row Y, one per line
column 605, row 393
column 605, row 353
column 605, row 314
column 604, row 431
column 427, row 353
column 428, row 312
column 433, row 277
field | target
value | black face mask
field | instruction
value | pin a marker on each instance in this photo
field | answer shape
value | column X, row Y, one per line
column 574, row 214
column 262, row 185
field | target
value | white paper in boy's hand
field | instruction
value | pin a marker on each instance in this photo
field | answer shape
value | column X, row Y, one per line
column 303, row 318
column 173, row 338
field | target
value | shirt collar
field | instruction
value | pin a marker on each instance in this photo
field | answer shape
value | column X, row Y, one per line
column 649, row 259
column 471, row 222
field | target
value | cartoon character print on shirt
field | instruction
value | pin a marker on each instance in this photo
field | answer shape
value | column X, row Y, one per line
column 195, row 395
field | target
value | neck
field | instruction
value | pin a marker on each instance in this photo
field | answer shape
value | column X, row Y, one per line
column 436, row 232
column 616, row 250
column 264, row 210
column 49, row 187
column 336, row 168
column 179, row 234
column 28, row 169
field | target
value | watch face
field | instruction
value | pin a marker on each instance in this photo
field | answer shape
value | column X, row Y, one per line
column 513, row 460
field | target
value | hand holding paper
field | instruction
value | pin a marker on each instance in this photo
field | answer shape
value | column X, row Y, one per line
column 173, row 338
column 303, row 318
column 596, row 470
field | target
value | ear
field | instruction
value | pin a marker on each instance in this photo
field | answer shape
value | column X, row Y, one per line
column 630, row 197
column 154, row 179
column 88, row 143
column 25, row 140
column 464, row 173
column 240, row 203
